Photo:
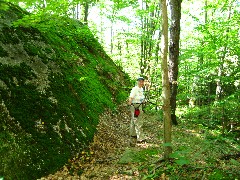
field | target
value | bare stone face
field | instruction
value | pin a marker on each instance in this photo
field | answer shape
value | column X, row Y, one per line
column 17, row 55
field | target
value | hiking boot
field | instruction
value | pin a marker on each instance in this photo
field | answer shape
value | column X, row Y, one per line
column 141, row 141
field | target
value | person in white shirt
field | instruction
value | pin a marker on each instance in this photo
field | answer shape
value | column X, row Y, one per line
column 136, row 99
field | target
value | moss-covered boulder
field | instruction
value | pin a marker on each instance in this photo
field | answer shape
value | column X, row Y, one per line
column 55, row 80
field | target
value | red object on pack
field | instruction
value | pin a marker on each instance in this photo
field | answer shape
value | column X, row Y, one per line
column 136, row 112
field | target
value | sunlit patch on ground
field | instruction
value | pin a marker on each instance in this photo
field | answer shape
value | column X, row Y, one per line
column 146, row 145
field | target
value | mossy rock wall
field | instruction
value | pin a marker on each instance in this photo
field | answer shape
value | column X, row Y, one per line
column 55, row 81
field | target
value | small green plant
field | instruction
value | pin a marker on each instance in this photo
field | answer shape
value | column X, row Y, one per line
column 180, row 158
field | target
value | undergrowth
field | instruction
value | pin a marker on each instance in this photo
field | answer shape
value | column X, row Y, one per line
column 200, row 149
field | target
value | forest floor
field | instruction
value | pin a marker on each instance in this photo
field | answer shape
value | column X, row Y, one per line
column 198, row 153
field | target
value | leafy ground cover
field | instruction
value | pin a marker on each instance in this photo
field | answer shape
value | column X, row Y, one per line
column 199, row 153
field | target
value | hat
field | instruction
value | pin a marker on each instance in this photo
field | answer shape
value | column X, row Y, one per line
column 140, row 78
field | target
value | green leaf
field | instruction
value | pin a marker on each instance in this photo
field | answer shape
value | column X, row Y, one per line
column 182, row 161
column 175, row 155
column 234, row 162
column 167, row 144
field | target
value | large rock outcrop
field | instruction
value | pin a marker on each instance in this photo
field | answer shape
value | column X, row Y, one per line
column 55, row 80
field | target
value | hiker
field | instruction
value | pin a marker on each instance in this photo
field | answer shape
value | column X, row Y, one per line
column 136, row 100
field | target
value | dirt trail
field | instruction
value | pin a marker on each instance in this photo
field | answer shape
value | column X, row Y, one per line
column 110, row 156
column 111, row 141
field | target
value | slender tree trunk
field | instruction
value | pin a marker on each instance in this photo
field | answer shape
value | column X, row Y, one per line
column 112, row 34
column 219, row 89
column 77, row 14
column 206, row 14
column 142, row 41
column 101, row 28
column 44, row 3
column 147, row 41
column 127, row 46
column 84, row 12
column 142, row 57
column 175, row 6
column 112, row 29
column 73, row 12
column 119, row 48
column 165, row 84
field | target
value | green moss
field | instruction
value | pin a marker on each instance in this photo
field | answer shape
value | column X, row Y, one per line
column 8, row 36
column 28, row 34
column 31, row 49
column 3, row 53
column 121, row 96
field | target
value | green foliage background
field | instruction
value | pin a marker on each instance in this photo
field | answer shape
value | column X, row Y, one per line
column 40, row 129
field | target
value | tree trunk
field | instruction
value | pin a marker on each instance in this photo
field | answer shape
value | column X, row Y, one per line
column 175, row 6
column 149, row 28
column 44, row 3
column 77, row 14
column 219, row 89
column 73, row 12
column 111, row 45
column 206, row 14
column 165, row 84
column 84, row 12
column 142, row 43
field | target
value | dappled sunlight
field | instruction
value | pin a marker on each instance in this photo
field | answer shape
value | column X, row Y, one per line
column 66, row 105
column 194, row 133
column 146, row 145
column 121, row 177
